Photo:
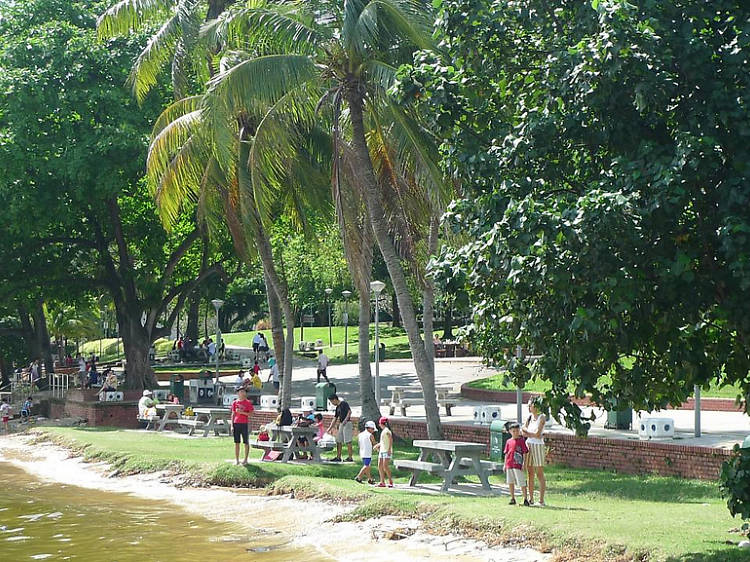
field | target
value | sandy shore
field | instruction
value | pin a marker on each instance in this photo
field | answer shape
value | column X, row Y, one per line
column 281, row 519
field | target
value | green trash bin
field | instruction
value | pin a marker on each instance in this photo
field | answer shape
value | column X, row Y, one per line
column 323, row 391
column 498, row 437
column 619, row 418
column 177, row 387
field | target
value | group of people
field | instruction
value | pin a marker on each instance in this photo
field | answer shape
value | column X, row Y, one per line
column 206, row 349
column 6, row 412
column 260, row 346
column 525, row 455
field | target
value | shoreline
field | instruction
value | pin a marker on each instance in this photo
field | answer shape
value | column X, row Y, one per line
column 301, row 522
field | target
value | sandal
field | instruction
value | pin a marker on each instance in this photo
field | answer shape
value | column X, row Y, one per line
column 381, row 485
column 371, row 481
column 512, row 501
column 358, row 479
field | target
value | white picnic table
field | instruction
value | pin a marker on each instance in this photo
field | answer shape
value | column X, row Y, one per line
column 167, row 418
column 216, row 419
column 449, row 460
column 401, row 401
column 285, row 438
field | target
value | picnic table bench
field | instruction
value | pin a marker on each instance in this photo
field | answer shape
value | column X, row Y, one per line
column 286, row 438
column 167, row 418
column 444, row 393
column 216, row 419
column 450, row 459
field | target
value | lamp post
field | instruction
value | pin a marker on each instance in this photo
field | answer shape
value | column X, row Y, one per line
column 330, row 332
column 377, row 287
column 346, row 295
column 217, row 305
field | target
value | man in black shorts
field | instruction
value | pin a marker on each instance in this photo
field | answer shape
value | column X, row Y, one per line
column 241, row 410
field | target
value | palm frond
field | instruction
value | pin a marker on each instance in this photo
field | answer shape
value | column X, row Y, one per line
column 130, row 15
column 175, row 110
column 159, row 50
column 264, row 28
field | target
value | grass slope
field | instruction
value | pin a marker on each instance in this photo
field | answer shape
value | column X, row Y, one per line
column 602, row 515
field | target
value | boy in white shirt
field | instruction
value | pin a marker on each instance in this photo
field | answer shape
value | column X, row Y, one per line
column 366, row 442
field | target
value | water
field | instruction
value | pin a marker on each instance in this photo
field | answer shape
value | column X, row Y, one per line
column 45, row 521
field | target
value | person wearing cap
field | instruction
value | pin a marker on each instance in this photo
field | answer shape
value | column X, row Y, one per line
column 366, row 443
column 515, row 450
column 145, row 403
column 385, row 452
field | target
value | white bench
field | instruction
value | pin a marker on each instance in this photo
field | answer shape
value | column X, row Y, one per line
column 192, row 424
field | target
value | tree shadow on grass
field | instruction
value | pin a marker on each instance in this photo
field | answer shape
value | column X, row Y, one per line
column 727, row 554
column 634, row 487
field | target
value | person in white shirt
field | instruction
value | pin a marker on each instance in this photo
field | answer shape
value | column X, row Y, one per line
column 81, row 370
column 533, row 431
column 274, row 374
column 322, row 366
column 211, row 348
column 366, row 443
column 256, row 343
column 145, row 403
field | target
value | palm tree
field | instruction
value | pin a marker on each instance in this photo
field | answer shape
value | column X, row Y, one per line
column 348, row 55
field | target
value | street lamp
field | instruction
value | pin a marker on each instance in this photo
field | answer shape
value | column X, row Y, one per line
column 346, row 295
column 377, row 287
column 330, row 333
column 217, row 305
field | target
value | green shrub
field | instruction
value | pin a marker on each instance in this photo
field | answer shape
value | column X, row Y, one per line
column 735, row 483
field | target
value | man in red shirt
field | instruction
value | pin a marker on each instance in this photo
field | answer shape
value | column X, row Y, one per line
column 515, row 449
column 241, row 409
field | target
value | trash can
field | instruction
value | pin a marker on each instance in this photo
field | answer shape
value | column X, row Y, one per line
column 382, row 352
column 498, row 437
column 619, row 418
column 323, row 391
column 177, row 387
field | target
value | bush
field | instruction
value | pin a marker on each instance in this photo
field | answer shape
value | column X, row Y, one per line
column 735, row 483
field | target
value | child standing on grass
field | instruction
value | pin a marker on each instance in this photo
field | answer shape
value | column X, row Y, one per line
column 5, row 414
column 241, row 409
column 366, row 443
column 385, row 448
column 515, row 449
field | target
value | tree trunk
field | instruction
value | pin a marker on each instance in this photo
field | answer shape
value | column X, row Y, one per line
column 29, row 334
column 370, row 407
column 192, row 316
column 136, row 343
column 277, row 326
column 42, row 336
column 396, row 312
column 428, row 296
column 448, row 321
column 425, row 372
column 5, row 371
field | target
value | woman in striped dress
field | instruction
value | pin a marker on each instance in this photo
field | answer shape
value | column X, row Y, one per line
column 533, row 430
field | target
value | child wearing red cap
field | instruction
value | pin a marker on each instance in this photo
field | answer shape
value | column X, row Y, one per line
column 385, row 448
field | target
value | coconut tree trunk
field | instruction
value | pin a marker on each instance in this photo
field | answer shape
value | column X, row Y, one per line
column 422, row 364
column 277, row 326
column 428, row 296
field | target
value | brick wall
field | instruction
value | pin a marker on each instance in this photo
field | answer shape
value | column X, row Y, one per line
column 509, row 397
column 113, row 414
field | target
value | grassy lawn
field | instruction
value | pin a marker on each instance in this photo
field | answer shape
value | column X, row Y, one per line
column 395, row 340
column 601, row 514
column 497, row 382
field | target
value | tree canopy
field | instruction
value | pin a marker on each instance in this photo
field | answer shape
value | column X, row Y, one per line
column 602, row 151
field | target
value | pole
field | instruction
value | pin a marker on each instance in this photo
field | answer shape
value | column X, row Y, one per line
column 697, row 410
column 519, row 391
column 330, row 331
column 377, row 353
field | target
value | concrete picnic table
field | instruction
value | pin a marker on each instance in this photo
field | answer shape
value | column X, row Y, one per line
column 450, row 459
column 213, row 417
column 168, row 409
column 285, row 438
column 399, row 400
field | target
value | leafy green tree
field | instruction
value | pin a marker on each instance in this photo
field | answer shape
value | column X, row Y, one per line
column 603, row 156
column 72, row 147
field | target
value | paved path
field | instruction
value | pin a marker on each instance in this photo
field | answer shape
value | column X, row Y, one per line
column 720, row 429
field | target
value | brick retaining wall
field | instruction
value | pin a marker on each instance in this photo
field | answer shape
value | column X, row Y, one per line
column 114, row 414
column 509, row 397
column 626, row 456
